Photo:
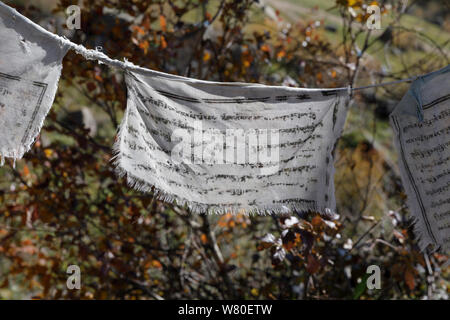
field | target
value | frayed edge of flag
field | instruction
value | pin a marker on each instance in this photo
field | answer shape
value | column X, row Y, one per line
column 421, row 233
column 424, row 239
column 426, row 244
column 18, row 152
column 140, row 185
column 200, row 208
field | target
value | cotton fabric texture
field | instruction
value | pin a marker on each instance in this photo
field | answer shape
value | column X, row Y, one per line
column 290, row 135
column 421, row 124
column 30, row 66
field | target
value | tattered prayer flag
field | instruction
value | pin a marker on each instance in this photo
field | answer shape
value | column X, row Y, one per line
column 421, row 124
column 231, row 147
column 30, row 66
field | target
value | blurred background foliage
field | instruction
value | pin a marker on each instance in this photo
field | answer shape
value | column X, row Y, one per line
column 62, row 204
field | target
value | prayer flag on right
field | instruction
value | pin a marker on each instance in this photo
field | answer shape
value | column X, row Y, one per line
column 421, row 123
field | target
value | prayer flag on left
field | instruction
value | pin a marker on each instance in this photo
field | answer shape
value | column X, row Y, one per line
column 30, row 67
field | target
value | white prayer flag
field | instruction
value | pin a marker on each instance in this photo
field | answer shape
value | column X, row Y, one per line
column 231, row 147
column 30, row 66
column 424, row 156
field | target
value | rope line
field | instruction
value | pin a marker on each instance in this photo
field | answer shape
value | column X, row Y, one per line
column 91, row 54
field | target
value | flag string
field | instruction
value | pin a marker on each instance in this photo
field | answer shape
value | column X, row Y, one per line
column 96, row 54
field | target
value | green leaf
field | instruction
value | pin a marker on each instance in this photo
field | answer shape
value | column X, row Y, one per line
column 361, row 287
